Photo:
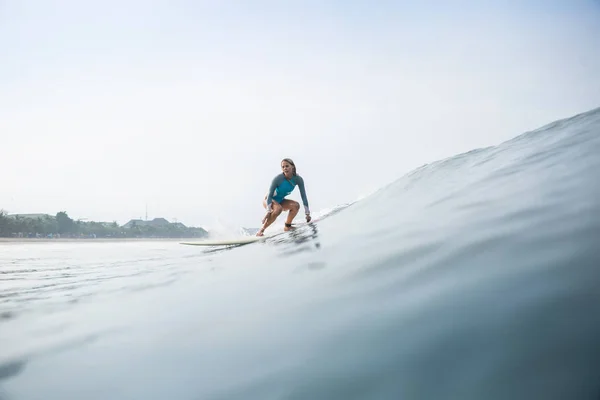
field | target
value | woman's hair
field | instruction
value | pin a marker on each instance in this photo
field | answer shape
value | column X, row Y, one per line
column 289, row 161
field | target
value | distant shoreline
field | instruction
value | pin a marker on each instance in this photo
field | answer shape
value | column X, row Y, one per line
column 89, row 240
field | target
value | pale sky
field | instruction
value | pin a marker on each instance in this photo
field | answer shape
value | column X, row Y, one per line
column 189, row 106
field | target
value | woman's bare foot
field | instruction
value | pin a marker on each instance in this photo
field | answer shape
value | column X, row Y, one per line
column 261, row 232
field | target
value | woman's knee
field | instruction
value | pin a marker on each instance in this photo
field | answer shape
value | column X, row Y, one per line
column 277, row 208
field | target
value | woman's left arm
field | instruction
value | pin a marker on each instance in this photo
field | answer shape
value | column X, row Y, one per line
column 304, row 198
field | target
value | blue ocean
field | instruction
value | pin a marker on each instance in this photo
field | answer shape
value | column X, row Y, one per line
column 473, row 277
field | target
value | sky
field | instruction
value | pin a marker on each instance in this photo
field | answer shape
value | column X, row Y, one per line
column 187, row 107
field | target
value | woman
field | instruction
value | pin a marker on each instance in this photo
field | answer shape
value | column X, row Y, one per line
column 275, row 201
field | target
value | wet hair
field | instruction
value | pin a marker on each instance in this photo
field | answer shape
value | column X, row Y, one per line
column 289, row 161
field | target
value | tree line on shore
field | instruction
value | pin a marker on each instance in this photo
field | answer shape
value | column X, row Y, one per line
column 62, row 225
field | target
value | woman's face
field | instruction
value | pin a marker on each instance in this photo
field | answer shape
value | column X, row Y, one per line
column 287, row 168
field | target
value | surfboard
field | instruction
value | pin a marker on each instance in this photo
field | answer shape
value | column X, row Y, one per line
column 227, row 242
column 241, row 240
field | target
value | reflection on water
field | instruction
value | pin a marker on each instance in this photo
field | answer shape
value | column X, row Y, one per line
column 10, row 369
column 301, row 239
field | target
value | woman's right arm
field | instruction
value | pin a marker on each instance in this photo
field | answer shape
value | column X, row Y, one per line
column 274, row 183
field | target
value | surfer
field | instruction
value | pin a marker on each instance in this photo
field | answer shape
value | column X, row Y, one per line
column 275, row 202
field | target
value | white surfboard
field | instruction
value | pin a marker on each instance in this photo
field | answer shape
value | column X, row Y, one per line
column 227, row 242
column 241, row 240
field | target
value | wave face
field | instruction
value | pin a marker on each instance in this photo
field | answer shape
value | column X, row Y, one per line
column 475, row 277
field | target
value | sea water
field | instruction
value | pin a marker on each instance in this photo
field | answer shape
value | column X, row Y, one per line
column 474, row 277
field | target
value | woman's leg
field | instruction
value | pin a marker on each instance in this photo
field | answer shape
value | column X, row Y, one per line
column 293, row 207
column 269, row 219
